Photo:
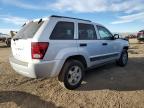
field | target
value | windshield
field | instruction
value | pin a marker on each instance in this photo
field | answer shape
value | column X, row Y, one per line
column 29, row 30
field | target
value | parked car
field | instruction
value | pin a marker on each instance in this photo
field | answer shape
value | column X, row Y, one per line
column 140, row 36
column 65, row 47
column 7, row 38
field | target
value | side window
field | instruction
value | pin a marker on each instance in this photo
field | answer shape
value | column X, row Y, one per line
column 63, row 31
column 86, row 32
column 104, row 33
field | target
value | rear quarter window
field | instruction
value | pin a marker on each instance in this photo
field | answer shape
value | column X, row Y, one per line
column 63, row 31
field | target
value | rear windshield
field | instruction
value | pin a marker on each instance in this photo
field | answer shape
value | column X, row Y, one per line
column 29, row 30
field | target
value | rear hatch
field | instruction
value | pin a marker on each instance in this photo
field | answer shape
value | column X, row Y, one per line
column 21, row 43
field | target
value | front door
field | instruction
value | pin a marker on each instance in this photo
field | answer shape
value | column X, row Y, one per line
column 110, row 46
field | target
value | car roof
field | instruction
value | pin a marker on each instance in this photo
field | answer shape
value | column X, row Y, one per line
column 64, row 18
column 73, row 19
column 55, row 16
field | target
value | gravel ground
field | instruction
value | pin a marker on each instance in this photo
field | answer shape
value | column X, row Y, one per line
column 108, row 86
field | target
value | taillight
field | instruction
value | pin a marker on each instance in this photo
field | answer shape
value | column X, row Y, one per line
column 38, row 49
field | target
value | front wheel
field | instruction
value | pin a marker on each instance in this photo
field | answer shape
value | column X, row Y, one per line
column 72, row 74
column 123, row 58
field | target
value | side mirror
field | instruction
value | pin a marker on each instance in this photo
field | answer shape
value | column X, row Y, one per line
column 116, row 36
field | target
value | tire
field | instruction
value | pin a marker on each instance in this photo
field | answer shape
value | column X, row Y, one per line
column 123, row 58
column 8, row 42
column 71, row 74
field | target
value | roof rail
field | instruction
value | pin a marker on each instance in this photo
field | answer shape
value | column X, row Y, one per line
column 69, row 18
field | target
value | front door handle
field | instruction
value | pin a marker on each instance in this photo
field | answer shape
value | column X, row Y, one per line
column 83, row 44
column 104, row 44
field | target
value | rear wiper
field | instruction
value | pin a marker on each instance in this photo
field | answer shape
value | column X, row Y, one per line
column 40, row 21
column 16, row 39
column 23, row 24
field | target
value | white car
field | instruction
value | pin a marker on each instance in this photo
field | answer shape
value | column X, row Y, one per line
column 64, row 47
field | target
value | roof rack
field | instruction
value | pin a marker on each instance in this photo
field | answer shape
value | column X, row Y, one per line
column 69, row 18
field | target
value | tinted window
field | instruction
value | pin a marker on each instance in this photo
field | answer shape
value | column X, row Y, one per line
column 63, row 31
column 29, row 30
column 86, row 32
column 104, row 33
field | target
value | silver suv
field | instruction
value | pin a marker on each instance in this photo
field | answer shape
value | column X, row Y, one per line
column 64, row 47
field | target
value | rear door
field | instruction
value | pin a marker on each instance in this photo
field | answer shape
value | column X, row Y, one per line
column 89, row 44
column 21, row 43
column 62, row 40
column 111, row 47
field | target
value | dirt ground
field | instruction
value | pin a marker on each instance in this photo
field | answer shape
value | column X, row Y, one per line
column 109, row 86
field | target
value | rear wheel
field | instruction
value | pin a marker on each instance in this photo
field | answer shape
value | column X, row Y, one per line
column 123, row 58
column 72, row 74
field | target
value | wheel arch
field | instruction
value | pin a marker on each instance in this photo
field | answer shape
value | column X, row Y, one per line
column 126, row 47
column 81, row 58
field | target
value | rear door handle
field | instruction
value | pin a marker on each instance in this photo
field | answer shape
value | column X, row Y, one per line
column 83, row 44
column 104, row 44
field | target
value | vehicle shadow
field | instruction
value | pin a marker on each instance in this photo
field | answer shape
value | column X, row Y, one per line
column 113, row 77
column 25, row 100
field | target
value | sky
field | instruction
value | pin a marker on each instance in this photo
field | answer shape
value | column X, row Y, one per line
column 116, row 15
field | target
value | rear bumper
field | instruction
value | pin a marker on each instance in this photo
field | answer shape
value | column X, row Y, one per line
column 37, row 70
